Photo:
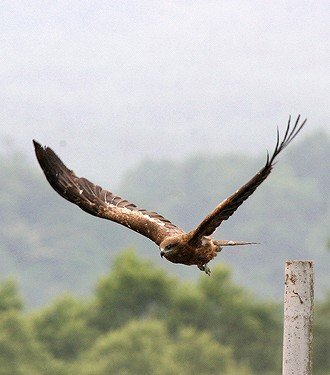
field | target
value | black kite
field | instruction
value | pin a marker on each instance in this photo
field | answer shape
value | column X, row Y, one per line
column 177, row 246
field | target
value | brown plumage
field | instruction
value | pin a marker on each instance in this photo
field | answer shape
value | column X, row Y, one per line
column 177, row 246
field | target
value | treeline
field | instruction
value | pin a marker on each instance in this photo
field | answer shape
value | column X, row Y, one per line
column 45, row 240
column 141, row 320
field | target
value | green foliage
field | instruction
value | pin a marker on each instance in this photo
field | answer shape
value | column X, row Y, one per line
column 145, row 347
column 9, row 296
column 249, row 326
column 63, row 328
column 134, row 288
column 308, row 159
column 213, row 326
column 20, row 353
column 321, row 334
column 198, row 352
column 138, row 348
column 234, row 316
column 43, row 241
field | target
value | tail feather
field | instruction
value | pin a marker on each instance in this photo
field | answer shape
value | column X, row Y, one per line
column 234, row 243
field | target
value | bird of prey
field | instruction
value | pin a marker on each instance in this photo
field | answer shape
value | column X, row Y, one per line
column 177, row 246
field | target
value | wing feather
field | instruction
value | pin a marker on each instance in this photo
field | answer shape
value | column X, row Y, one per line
column 100, row 202
column 227, row 207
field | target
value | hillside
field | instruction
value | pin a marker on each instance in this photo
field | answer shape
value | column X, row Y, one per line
column 51, row 246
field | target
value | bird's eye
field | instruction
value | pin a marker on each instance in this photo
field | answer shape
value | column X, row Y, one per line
column 168, row 247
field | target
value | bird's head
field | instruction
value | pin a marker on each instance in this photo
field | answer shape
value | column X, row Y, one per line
column 169, row 247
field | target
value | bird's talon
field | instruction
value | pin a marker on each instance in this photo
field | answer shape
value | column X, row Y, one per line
column 205, row 268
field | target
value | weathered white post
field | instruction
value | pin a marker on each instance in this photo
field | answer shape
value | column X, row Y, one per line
column 298, row 308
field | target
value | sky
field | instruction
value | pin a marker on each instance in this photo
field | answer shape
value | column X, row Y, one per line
column 110, row 83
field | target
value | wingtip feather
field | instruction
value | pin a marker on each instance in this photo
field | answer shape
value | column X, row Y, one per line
column 36, row 144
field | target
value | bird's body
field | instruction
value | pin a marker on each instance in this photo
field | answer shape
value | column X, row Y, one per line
column 192, row 248
column 178, row 249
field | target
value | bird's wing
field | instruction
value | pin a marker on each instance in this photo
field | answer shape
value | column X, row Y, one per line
column 227, row 207
column 99, row 202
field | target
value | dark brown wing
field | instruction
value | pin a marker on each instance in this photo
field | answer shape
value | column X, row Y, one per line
column 227, row 207
column 99, row 202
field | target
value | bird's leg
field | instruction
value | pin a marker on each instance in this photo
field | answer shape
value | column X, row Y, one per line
column 205, row 268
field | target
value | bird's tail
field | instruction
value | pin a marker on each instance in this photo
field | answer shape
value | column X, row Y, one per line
column 222, row 243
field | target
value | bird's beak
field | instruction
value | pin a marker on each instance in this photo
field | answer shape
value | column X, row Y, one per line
column 162, row 253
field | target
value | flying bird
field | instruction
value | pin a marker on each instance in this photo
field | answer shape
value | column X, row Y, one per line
column 177, row 246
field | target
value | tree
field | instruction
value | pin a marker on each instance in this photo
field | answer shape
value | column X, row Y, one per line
column 133, row 289
column 20, row 353
column 63, row 328
column 199, row 353
column 145, row 347
column 233, row 316
column 321, row 337
column 137, row 348
column 9, row 296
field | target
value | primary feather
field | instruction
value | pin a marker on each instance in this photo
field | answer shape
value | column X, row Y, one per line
column 100, row 202
column 227, row 207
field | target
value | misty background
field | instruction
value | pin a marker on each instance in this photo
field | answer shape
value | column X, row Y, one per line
column 109, row 85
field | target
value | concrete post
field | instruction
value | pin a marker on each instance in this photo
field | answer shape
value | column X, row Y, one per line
column 298, row 307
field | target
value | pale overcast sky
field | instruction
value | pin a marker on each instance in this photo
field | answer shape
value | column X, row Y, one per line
column 111, row 82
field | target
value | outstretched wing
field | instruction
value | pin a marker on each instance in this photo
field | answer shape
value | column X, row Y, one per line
column 227, row 207
column 99, row 202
